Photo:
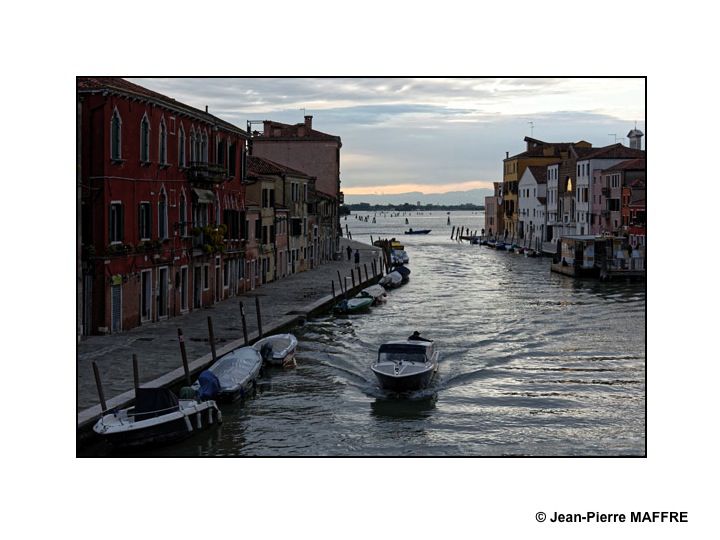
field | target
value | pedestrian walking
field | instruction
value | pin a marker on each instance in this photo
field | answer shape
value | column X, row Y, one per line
column 349, row 252
column 357, row 256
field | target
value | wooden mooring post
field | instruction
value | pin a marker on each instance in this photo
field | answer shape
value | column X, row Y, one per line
column 183, row 353
column 332, row 282
column 352, row 276
column 244, row 323
column 259, row 316
column 366, row 272
column 211, row 338
column 101, row 394
column 342, row 289
column 452, row 233
column 136, row 373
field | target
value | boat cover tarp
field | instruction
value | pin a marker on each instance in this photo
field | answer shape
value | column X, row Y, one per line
column 403, row 271
column 151, row 402
column 209, row 385
column 234, row 368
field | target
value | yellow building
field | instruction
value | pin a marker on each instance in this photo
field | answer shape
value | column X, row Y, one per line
column 538, row 153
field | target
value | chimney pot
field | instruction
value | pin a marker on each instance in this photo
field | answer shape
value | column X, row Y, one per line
column 206, row 108
column 507, row 155
column 308, row 122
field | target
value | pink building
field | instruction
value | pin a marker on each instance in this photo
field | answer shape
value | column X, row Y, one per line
column 607, row 194
column 315, row 153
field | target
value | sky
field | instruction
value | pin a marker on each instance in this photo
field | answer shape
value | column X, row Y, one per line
column 428, row 135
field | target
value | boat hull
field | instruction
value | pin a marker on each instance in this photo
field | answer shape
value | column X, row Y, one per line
column 159, row 431
column 416, row 381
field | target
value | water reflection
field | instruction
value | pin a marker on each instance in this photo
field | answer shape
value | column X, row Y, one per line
column 403, row 407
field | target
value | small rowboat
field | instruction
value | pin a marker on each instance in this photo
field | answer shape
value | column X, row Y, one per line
column 354, row 305
column 282, row 347
column 231, row 377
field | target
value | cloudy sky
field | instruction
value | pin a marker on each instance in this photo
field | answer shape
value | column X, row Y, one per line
column 430, row 135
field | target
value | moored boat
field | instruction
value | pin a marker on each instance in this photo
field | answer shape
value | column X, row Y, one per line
column 418, row 231
column 157, row 418
column 376, row 292
column 282, row 349
column 353, row 305
column 405, row 365
column 392, row 280
column 404, row 271
column 236, row 374
column 399, row 256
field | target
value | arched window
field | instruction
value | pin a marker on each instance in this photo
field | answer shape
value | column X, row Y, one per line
column 181, row 147
column 162, row 146
column 204, row 147
column 193, row 145
column 145, row 139
column 116, row 136
column 183, row 215
column 162, row 215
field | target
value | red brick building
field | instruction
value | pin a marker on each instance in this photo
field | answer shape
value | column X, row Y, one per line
column 162, row 224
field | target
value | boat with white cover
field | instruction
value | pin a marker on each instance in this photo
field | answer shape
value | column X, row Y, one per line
column 376, row 292
column 158, row 417
column 392, row 280
column 282, row 347
column 406, row 365
column 234, row 374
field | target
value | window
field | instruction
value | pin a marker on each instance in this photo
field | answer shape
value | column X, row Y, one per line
column 193, row 145
column 220, row 152
column 205, row 278
column 204, row 148
column 145, row 140
column 232, row 159
column 162, row 146
column 144, row 220
column 162, row 215
column 183, row 215
column 226, row 275
column 115, row 220
column 181, row 146
column 115, row 136
column 258, row 229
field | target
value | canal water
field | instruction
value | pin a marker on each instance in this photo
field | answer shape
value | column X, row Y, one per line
column 531, row 363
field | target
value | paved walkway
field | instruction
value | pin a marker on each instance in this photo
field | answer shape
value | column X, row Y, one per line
column 156, row 344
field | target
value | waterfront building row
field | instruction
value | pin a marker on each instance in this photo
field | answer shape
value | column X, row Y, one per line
column 175, row 212
column 561, row 189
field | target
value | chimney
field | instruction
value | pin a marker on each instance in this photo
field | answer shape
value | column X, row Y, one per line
column 206, row 108
column 308, row 122
column 507, row 155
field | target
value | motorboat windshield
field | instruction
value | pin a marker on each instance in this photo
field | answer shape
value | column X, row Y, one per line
column 403, row 353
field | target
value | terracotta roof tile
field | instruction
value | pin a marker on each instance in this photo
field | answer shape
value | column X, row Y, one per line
column 260, row 166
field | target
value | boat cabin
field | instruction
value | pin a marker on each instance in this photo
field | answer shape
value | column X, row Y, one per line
column 406, row 351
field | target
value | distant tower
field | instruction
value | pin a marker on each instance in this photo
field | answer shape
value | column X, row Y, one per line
column 635, row 137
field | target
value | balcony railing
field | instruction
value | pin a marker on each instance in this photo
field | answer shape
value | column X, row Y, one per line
column 202, row 171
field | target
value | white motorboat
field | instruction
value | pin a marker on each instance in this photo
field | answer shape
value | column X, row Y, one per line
column 157, row 418
column 282, row 346
column 399, row 256
column 406, row 365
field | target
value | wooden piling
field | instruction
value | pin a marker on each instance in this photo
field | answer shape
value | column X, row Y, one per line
column 259, row 316
column 452, row 233
column 352, row 276
column 342, row 290
column 211, row 338
column 136, row 373
column 244, row 322
column 367, row 278
column 183, row 353
column 333, row 288
column 101, row 394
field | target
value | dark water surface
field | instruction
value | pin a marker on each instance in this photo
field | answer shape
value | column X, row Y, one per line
column 531, row 363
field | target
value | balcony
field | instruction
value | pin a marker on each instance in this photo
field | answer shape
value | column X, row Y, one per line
column 204, row 172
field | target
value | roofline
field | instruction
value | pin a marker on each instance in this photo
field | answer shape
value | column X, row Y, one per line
column 169, row 103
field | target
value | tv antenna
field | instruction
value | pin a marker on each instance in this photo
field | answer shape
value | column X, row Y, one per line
column 613, row 135
column 532, row 126
column 303, row 110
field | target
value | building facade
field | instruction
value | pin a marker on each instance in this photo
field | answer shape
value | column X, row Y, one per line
column 316, row 154
column 162, row 197
column 494, row 221
column 532, row 206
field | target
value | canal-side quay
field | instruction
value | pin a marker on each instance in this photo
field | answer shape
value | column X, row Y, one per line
column 283, row 304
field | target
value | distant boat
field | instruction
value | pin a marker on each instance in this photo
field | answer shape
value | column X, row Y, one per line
column 354, row 305
column 418, row 231
column 376, row 292
column 391, row 280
